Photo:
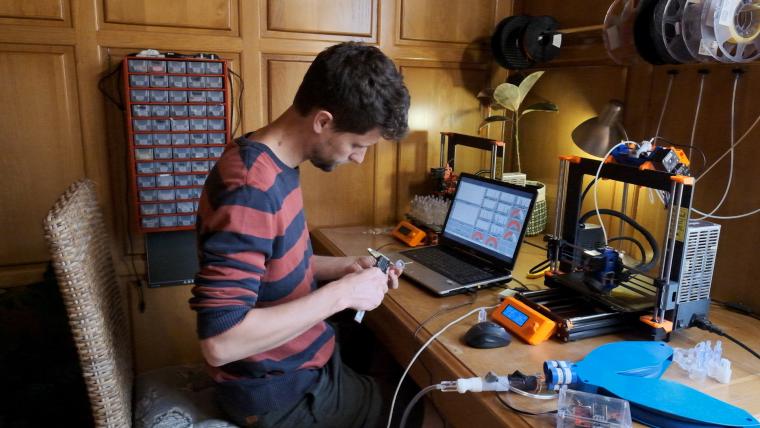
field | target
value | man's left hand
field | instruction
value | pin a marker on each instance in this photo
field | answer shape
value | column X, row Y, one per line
column 364, row 262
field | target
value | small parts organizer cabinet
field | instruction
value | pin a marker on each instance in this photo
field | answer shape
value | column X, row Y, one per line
column 178, row 122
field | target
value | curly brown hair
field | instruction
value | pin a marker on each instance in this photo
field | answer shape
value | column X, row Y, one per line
column 360, row 87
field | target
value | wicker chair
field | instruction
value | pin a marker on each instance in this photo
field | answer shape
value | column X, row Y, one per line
column 96, row 306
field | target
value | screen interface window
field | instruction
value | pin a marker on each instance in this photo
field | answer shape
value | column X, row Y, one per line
column 489, row 216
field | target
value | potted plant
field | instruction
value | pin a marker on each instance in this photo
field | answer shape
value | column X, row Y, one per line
column 509, row 97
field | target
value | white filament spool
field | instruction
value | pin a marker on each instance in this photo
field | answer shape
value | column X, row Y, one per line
column 709, row 44
column 736, row 26
column 691, row 29
column 618, row 31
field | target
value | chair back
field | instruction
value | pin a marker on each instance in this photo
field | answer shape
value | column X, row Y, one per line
column 94, row 301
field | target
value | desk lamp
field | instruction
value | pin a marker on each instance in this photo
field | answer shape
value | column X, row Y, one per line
column 597, row 135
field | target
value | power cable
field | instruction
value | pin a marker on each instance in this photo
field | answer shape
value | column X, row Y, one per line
column 731, row 162
column 707, row 325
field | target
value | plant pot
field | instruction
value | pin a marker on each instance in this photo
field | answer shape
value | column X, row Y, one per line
column 538, row 218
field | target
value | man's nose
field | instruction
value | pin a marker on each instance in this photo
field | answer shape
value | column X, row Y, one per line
column 358, row 157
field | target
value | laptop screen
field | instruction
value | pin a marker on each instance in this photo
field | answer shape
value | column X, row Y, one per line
column 489, row 216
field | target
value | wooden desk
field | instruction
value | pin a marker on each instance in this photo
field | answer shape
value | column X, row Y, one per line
column 448, row 358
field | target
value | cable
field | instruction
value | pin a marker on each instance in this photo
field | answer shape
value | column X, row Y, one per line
column 130, row 254
column 585, row 191
column 731, row 162
column 232, row 97
column 119, row 103
column 387, row 245
column 702, row 77
column 240, row 101
column 730, row 217
column 647, row 235
column 635, row 242
column 535, row 245
column 741, row 139
column 540, row 267
column 416, row 398
column 665, row 102
column 525, row 286
column 690, row 146
column 506, row 404
column 425, row 345
column 532, row 395
column 596, row 186
column 707, row 325
column 444, row 310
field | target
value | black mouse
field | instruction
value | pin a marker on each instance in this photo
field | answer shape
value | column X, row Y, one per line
column 487, row 334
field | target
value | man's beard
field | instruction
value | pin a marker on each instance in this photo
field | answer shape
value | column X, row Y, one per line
column 324, row 165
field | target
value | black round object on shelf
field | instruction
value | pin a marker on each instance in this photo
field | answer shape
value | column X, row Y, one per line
column 655, row 32
column 507, row 40
column 539, row 37
column 642, row 35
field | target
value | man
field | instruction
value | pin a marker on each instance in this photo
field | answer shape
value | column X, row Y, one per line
column 260, row 314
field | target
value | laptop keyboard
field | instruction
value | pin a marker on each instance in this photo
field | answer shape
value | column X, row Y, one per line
column 449, row 265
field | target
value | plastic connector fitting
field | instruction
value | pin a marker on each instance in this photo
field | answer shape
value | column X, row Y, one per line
column 703, row 360
column 490, row 382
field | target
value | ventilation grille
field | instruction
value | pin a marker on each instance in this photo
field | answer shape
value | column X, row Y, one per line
column 698, row 265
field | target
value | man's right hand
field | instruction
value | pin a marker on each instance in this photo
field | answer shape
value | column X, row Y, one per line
column 363, row 290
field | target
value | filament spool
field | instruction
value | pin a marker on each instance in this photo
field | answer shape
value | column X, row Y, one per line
column 709, row 45
column 736, row 26
column 691, row 29
column 644, row 37
column 523, row 41
column 672, row 30
column 505, row 42
column 656, row 32
column 618, row 31
column 541, row 40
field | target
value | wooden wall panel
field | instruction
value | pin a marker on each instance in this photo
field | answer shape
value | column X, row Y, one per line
column 434, row 21
column 341, row 197
column 42, row 143
column 579, row 93
column 40, row 12
column 321, row 17
column 271, row 45
column 569, row 13
column 186, row 14
column 733, row 280
column 443, row 100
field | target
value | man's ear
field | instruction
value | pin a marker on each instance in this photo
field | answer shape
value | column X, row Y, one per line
column 322, row 121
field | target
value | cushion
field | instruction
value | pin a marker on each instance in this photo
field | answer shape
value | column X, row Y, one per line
column 177, row 397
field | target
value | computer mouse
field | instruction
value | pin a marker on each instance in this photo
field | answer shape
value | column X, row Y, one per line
column 487, row 334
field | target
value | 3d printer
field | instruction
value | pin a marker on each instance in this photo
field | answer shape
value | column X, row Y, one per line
column 592, row 289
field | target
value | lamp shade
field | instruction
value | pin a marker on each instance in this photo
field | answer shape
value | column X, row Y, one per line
column 598, row 135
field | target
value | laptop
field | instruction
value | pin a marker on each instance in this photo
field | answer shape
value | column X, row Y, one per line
column 480, row 240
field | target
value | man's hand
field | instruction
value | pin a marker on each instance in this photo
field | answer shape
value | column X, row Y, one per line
column 363, row 290
column 364, row 262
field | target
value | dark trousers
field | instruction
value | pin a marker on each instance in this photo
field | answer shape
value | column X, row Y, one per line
column 340, row 398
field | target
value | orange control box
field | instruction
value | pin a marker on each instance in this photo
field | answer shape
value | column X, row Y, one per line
column 408, row 233
column 524, row 321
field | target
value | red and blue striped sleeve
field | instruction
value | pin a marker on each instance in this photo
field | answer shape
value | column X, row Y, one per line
column 236, row 222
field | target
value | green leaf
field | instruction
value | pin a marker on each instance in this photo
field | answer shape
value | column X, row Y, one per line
column 546, row 107
column 507, row 95
column 491, row 119
column 527, row 84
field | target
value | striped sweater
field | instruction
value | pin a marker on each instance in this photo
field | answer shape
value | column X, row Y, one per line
column 254, row 251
